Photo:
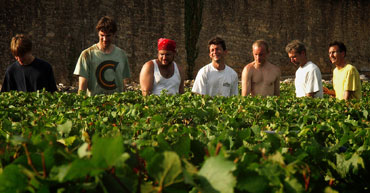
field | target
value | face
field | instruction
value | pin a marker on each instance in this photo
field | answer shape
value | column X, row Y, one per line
column 298, row 59
column 259, row 54
column 166, row 57
column 335, row 56
column 216, row 52
column 105, row 39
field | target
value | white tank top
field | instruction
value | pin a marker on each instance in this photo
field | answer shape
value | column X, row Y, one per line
column 171, row 84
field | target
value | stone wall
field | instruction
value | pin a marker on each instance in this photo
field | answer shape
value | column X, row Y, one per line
column 60, row 30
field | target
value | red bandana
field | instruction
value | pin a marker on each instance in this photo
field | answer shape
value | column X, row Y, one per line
column 166, row 44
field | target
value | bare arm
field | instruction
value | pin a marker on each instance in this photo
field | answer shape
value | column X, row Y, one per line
column 328, row 91
column 82, row 84
column 347, row 94
column 277, row 83
column 246, row 81
column 182, row 75
column 147, row 78
column 312, row 94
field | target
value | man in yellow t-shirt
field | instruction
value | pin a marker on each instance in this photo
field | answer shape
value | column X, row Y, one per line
column 346, row 79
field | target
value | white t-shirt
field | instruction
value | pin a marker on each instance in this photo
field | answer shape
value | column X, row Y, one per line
column 308, row 80
column 212, row 82
column 171, row 84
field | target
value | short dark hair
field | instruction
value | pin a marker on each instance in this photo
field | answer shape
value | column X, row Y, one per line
column 217, row 41
column 20, row 45
column 261, row 42
column 107, row 24
column 296, row 46
column 341, row 46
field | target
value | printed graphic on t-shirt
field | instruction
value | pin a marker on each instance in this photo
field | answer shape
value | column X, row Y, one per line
column 104, row 81
column 226, row 84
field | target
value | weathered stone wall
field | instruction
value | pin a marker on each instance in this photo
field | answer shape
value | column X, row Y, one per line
column 60, row 30
column 315, row 22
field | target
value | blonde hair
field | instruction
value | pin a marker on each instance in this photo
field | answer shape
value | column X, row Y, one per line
column 20, row 45
column 261, row 42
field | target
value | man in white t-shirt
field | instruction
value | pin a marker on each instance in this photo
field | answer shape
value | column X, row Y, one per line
column 162, row 73
column 308, row 76
column 216, row 78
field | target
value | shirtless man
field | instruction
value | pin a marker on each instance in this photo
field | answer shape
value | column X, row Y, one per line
column 260, row 77
column 162, row 73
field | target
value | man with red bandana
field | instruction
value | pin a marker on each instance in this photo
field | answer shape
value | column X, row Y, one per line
column 103, row 67
column 162, row 73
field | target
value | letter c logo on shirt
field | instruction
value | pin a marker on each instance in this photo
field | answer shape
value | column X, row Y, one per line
column 104, row 66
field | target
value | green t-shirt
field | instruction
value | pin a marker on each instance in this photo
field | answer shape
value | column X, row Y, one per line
column 347, row 78
column 104, row 72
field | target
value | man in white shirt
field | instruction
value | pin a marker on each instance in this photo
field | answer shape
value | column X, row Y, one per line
column 216, row 78
column 308, row 76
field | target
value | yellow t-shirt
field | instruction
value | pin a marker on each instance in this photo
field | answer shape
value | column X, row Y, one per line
column 347, row 78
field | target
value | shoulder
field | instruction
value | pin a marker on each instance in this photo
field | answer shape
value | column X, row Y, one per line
column 87, row 52
column 12, row 67
column 148, row 66
column 352, row 69
column 274, row 68
column 41, row 63
column 120, row 50
column 231, row 70
column 179, row 67
column 312, row 66
column 248, row 68
column 206, row 68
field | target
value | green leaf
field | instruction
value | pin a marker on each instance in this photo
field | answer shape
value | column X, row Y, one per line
column 252, row 182
column 293, row 185
column 365, row 113
column 256, row 130
column 83, row 151
column 216, row 175
column 65, row 129
column 166, row 169
column 182, row 147
column 106, row 152
column 12, row 179
column 328, row 189
column 344, row 166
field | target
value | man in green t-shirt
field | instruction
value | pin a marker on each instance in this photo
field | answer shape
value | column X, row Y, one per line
column 346, row 79
column 103, row 67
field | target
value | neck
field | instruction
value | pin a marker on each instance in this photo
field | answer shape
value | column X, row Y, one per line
column 304, row 63
column 107, row 49
column 260, row 65
column 341, row 64
column 218, row 65
column 164, row 66
column 28, row 60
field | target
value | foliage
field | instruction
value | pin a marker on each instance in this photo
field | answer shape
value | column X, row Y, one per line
column 185, row 143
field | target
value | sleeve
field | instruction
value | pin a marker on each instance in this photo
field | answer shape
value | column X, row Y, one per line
column 234, row 88
column 200, row 83
column 52, row 86
column 6, row 83
column 350, row 83
column 126, row 67
column 82, row 67
column 312, row 81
